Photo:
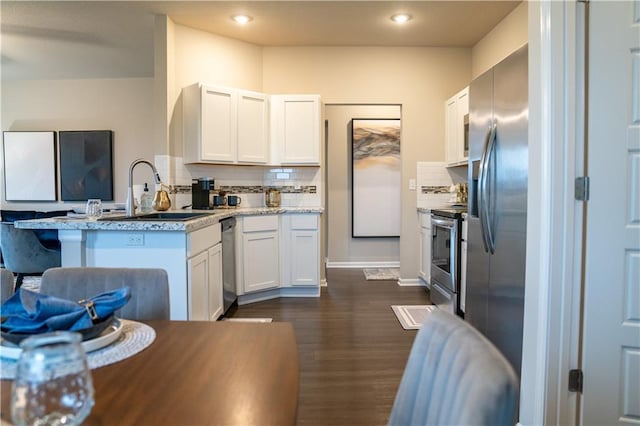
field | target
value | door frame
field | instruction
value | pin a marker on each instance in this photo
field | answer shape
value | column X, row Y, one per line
column 554, row 257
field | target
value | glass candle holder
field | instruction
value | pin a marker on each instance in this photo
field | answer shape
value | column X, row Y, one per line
column 53, row 384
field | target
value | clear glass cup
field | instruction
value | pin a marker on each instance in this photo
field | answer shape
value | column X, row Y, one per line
column 53, row 384
column 94, row 208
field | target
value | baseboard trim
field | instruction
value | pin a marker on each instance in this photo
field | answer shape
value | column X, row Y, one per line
column 387, row 264
column 323, row 282
column 410, row 282
column 311, row 291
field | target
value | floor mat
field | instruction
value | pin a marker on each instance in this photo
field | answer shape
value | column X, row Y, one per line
column 412, row 316
column 378, row 274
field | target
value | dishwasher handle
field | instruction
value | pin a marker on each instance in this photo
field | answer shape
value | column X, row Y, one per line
column 228, row 223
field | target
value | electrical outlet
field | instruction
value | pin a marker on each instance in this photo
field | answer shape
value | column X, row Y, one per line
column 135, row 239
column 412, row 184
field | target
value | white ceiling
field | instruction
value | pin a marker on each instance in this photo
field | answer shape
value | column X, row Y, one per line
column 93, row 39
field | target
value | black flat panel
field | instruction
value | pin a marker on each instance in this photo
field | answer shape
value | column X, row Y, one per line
column 86, row 165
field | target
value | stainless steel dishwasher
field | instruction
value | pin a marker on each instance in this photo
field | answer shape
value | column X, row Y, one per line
column 228, row 262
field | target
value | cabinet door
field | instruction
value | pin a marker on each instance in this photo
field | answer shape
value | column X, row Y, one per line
column 296, row 128
column 260, row 257
column 219, row 124
column 215, row 306
column 253, row 136
column 197, row 283
column 450, row 131
column 462, row 109
column 455, row 110
column 304, row 258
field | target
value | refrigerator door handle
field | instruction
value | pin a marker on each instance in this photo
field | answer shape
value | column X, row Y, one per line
column 482, row 174
column 486, row 209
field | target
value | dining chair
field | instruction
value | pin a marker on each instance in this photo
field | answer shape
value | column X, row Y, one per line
column 24, row 253
column 6, row 284
column 455, row 376
column 149, row 288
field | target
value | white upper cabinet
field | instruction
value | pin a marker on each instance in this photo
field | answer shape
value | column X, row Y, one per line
column 295, row 129
column 209, row 124
column 253, row 127
column 456, row 116
column 224, row 125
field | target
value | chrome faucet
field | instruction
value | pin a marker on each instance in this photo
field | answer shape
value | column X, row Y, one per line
column 131, row 208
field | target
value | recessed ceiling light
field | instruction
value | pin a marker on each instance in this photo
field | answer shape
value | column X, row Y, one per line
column 401, row 18
column 242, row 19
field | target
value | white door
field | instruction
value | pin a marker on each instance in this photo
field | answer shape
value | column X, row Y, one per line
column 611, row 339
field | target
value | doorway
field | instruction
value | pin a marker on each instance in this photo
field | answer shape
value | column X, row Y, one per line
column 341, row 249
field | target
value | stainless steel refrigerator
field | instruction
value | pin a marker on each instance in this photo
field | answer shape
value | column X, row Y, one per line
column 497, row 211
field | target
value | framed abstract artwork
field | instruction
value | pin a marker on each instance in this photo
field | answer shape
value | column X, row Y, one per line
column 375, row 178
column 86, row 165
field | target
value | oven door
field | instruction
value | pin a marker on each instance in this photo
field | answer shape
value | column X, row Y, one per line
column 444, row 263
column 444, row 299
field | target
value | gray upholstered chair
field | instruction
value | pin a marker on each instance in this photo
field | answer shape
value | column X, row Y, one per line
column 149, row 288
column 6, row 284
column 455, row 376
column 23, row 252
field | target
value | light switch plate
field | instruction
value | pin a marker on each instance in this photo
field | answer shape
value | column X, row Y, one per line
column 412, row 184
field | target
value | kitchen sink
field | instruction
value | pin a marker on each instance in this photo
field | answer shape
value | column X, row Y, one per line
column 159, row 217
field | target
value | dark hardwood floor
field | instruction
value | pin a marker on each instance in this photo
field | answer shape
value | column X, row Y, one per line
column 352, row 348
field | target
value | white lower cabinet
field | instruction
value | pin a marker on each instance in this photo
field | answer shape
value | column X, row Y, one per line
column 197, row 282
column 204, row 277
column 301, row 250
column 278, row 255
column 260, row 269
column 425, row 248
column 215, row 292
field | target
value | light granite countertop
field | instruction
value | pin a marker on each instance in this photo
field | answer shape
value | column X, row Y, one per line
column 212, row 217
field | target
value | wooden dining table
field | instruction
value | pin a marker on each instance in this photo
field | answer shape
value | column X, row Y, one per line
column 199, row 373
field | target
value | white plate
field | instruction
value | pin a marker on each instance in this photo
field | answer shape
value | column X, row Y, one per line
column 108, row 336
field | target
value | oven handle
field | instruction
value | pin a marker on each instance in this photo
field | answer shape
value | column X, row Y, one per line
column 486, row 209
column 443, row 223
column 482, row 188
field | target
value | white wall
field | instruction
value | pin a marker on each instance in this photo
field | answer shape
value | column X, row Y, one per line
column 121, row 105
column 418, row 79
column 506, row 37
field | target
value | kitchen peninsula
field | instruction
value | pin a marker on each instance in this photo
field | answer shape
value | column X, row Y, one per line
column 281, row 243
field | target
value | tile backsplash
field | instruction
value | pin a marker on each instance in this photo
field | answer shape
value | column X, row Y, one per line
column 299, row 186
column 434, row 180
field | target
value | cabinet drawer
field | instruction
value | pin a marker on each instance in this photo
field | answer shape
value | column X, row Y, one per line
column 425, row 220
column 260, row 223
column 304, row 221
column 202, row 239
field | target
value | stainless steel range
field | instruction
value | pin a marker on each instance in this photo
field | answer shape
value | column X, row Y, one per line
column 446, row 230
